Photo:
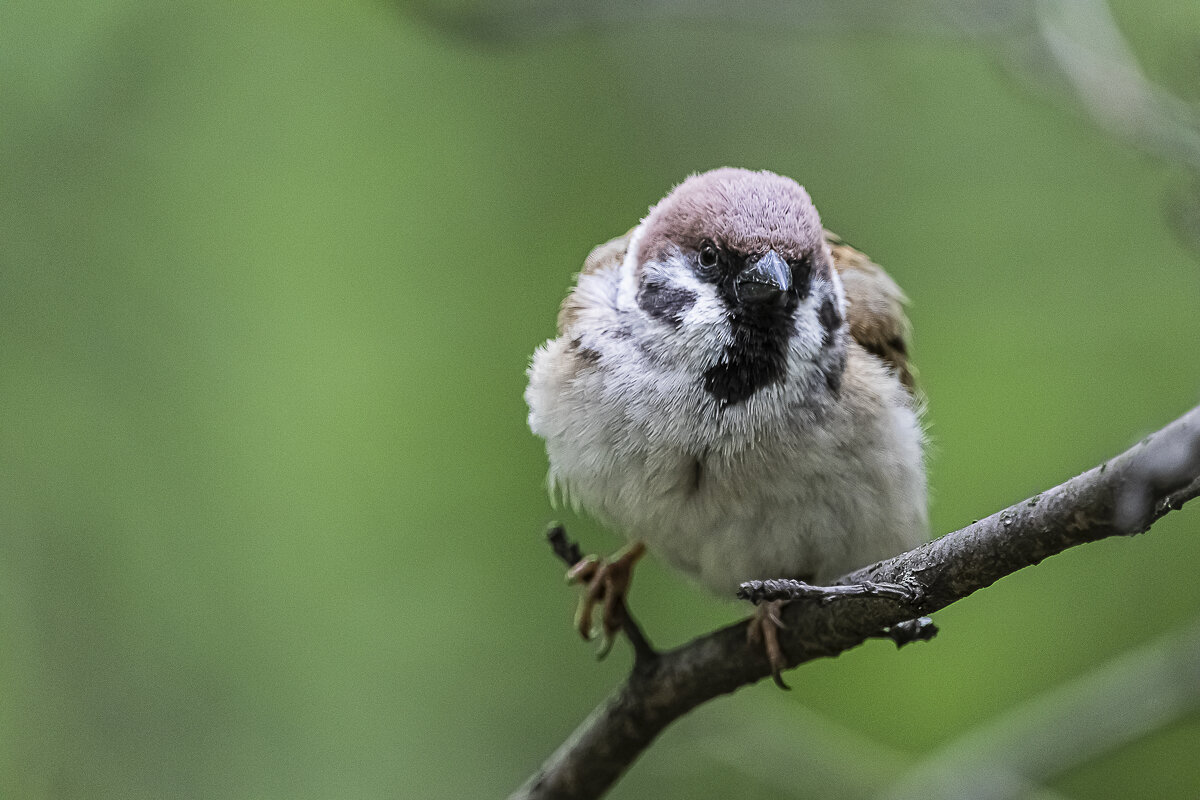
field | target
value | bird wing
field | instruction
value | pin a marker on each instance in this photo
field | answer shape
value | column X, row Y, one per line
column 875, row 308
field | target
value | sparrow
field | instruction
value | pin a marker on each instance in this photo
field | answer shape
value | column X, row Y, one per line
column 730, row 388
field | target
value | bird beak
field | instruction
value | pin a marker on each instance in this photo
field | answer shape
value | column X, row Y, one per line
column 766, row 279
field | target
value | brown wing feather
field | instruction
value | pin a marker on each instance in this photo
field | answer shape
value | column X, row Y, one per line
column 875, row 308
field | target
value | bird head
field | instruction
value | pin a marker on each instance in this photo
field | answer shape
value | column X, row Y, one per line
column 731, row 270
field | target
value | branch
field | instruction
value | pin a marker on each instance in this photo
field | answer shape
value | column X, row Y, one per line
column 1123, row 496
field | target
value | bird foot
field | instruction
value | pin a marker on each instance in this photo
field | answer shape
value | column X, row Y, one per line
column 764, row 632
column 605, row 582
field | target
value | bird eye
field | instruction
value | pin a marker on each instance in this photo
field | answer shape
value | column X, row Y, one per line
column 708, row 255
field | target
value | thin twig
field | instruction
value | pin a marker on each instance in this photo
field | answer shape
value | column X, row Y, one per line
column 921, row 629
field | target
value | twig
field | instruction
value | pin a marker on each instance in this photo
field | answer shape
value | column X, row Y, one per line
column 644, row 654
column 1123, row 496
column 567, row 550
column 921, row 629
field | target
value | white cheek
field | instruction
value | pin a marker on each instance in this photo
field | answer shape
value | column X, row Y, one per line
column 707, row 320
column 673, row 270
column 704, row 329
column 703, row 332
column 808, row 334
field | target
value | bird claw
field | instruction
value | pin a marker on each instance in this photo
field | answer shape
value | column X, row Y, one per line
column 764, row 632
column 605, row 582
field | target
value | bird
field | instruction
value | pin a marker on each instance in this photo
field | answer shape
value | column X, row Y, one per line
column 730, row 389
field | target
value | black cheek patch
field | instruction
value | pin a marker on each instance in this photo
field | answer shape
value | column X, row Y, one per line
column 831, row 320
column 666, row 302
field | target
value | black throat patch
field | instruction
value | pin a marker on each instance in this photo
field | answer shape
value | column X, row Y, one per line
column 757, row 357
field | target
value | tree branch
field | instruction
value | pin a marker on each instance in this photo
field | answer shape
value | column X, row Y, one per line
column 1123, row 496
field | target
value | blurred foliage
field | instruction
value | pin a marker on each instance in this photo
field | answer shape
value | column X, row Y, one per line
column 270, row 515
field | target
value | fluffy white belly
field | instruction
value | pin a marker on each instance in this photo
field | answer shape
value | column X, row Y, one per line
column 799, row 500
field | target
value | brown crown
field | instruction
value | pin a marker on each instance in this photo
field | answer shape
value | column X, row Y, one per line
column 739, row 210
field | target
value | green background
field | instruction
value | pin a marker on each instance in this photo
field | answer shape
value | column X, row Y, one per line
column 270, row 514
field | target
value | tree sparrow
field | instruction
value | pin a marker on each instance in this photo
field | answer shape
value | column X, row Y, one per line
column 730, row 385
